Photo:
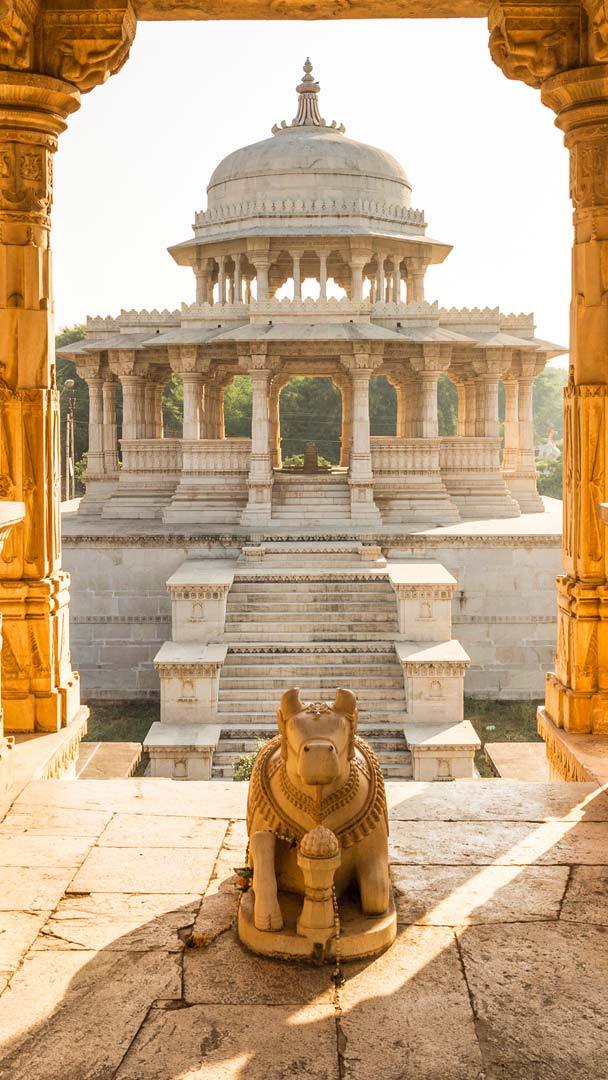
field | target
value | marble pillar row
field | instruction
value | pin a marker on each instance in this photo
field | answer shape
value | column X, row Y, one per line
column 40, row 691
column 434, row 360
column 133, row 407
column 519, row 463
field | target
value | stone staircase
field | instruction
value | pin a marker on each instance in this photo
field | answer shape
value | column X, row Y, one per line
column 316, row 615
column 321, row 501
column 389, row 745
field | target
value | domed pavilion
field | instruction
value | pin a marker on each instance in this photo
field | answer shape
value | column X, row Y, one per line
column 310, row 261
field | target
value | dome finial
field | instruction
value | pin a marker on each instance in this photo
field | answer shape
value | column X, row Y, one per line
column 308, row 114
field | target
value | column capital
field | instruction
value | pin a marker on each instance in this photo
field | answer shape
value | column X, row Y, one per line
column 434, row 359
column 363, row 359
column 492, row 363
column 82, row 45
column 532, row 42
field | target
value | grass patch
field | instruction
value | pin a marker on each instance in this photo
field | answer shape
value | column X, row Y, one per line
column 121, row 721
column 501, row 721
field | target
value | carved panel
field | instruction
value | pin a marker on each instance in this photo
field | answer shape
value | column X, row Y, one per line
column 17, row 18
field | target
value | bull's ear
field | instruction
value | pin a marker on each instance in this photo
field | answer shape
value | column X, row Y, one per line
column 346, row 705
column 345, row 702
column 291, row 703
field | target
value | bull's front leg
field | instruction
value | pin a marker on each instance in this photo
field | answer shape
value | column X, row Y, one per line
column 266, row 913
column 373, row 879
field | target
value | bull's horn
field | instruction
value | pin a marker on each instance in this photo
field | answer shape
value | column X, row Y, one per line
column 345, row 702
column 291, row 703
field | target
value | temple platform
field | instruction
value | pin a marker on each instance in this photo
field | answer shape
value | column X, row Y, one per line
column 502, row 909
column 503, row 607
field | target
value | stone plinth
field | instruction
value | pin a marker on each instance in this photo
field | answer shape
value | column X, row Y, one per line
column 424, row 593
column 434, row 677
column 182, row 751
column 189, row 674
column 198, row 592
column 442, row 751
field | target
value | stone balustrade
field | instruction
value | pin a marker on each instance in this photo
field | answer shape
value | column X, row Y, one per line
column 152, row 456
column 399, row 456
column 216, row 457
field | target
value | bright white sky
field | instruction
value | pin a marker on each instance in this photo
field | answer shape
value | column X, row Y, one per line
column 486, row 163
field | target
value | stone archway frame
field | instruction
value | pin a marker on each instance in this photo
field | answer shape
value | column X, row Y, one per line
column 49, row 56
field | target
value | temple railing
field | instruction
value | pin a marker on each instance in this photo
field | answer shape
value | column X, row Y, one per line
column 216, row 457
column 151, row 455
column 467, row 454
column 401, row 456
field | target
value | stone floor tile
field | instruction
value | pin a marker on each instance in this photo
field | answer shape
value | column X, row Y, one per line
column 36, row 888
column 506, row 843
column 459, row 895
column 225, row 973
column 406, row 1014
column 141, row 795
column 30, row 849
column 119, row 922
column 72, row 1015
column 49, row 820
column 18, row 930
column 153, row 831
column 586, row 898
column 231, row 1042
column 144, row 870
column 216, row 914
column 506, row 801
column 539, row 992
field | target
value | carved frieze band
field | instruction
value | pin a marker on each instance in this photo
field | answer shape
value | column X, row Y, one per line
column 198, row 592
column 187, row 671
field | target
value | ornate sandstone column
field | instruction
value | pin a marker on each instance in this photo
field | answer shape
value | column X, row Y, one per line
column 489, row 369
column 46, row 56
column 511, row 428
column 563, row 51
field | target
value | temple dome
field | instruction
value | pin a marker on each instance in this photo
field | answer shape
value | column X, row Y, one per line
column 309, row 159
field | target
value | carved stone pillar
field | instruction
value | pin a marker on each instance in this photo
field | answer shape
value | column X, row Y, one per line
column 345, row 387
column 429, row 366
column 489, row 368
column 158, row 426
column 95, row 456
column 357, row 263
column 470, row 411
column 511, row 429
column 110, row 440
column 40, row 691
column 323, row 276
column 261, row 261
column 46, row 57
column 361, row 365
column 577, row 692
column 237, row 281
column 297, row 275
column 380, row 280
column 462, row 407
column 416, row 269
column 193, row 384
column 259, row 505
column 275, row 420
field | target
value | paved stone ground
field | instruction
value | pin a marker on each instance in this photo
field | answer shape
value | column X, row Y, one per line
column 499, row 971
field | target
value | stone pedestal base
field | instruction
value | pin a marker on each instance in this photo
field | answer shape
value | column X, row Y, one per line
column 360, row 935
column 442, row 751
column 181, row 751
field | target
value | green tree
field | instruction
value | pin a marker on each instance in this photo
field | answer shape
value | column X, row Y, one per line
column 548, row 403
column 237, row 408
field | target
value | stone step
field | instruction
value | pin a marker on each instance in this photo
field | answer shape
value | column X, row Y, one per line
column 231, row 713
column 276, row 682
column 278, row 623
column 247, row 692
column 238, row 656
column 267, row 635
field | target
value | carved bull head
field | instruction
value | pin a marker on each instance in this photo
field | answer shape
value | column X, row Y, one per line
column 318, row 739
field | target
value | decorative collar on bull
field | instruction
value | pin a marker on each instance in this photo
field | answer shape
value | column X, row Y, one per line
column 318, row 838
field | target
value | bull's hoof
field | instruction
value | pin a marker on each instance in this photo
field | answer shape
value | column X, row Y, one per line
column 267, row 916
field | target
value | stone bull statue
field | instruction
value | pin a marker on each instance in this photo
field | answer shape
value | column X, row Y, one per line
column 314, row 776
